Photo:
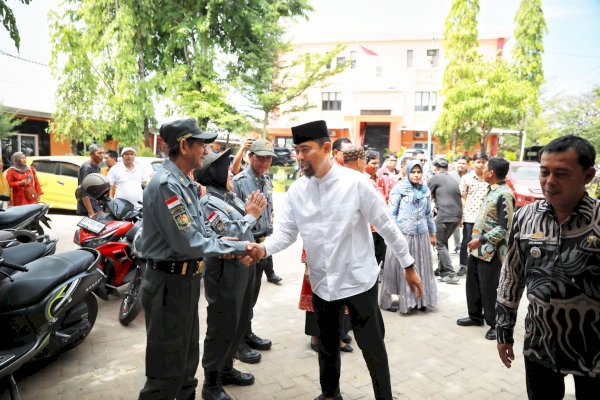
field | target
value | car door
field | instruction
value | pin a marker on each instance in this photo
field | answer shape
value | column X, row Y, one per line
column 47, row 174
column 67, row 180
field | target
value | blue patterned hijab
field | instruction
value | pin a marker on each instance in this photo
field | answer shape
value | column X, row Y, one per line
column 405, row 187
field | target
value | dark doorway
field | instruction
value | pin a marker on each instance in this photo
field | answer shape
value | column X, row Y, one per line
column 377, row 137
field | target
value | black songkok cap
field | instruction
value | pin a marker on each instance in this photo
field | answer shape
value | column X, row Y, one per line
column 176, row 131
column 309, row 131
column 215, row 170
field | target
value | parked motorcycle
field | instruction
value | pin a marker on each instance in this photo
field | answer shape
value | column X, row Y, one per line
column 46, row 307
column 29, row 216
column 112, row 233
column 22, row 253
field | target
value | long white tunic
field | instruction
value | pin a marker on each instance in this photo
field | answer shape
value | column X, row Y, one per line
column 332, row 215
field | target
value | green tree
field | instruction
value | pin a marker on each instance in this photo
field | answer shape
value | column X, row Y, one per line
column 8, row 123
column 114, row 59
column 10, row 23
column 277, row 81
column 460, row 50
column 529, row 47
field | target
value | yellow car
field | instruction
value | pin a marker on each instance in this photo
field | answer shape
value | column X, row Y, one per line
column 58, row 179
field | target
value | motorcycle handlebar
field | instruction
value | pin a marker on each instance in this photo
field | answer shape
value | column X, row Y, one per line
column 10, row 265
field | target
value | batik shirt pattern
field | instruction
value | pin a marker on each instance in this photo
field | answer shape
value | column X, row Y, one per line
column 494, row 222
column 560, row 265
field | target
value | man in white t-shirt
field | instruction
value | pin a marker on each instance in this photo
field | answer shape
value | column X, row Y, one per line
column 127, row 178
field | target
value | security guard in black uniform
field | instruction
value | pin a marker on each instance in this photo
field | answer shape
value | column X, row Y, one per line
column 229, row 286
column 176, row 237
column 251, row 179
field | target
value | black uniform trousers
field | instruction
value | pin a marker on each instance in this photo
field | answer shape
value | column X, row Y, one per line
column 482, row 284
column 467, row 236
column 263, row 265
column 172, row 327
column 545, row 384
column 229, row 290
column 369, row 332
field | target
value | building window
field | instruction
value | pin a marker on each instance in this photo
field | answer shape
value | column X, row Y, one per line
column 352, row 60
column 433, row 55
column 339, row 61
column 331, row 101
column 379, row 71
column 425, row 101
column 285, row 142
column 409, row 58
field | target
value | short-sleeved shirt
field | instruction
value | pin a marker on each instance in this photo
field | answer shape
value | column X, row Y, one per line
column 86, row 169
column 446, row 194
column 473, row 189
column 247, row 182
column 128, row 182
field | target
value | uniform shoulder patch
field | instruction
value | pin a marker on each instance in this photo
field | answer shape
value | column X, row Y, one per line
column 178, row 212
column 216, row 223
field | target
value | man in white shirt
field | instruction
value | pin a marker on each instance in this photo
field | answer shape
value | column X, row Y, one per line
column 127, row 178
column 331, row 207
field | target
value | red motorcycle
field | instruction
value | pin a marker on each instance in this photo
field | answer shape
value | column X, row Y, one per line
column 113, row 233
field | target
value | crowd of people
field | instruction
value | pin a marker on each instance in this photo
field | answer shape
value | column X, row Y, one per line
column 369, row 235
column 342, row 207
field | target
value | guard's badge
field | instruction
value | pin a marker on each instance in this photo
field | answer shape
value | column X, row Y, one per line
column 216, row 223
column 591, row 239
column 535, row 252
column 179, row 213
column 537, row 235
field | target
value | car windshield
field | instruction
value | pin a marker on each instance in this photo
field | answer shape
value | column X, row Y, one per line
column 526, row 172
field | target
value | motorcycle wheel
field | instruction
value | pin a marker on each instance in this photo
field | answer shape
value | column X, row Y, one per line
column 131, row 304
column 92, row 305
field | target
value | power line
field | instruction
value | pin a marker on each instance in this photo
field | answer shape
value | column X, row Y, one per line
column 22, row 58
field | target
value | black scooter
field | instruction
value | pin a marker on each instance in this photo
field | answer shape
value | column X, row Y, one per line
column 29, row 216
column 46, row 307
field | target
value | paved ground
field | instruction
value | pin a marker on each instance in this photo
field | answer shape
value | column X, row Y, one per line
column 430, row 356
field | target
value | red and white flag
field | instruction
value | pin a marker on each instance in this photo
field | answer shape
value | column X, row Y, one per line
column 368, row 51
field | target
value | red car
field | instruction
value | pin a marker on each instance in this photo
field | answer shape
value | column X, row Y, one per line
column 524, row 180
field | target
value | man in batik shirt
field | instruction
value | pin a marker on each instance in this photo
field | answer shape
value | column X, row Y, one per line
column 554, row 251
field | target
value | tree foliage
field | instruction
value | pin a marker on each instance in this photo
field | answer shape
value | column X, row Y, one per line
column 116, row 59
column 278, row 80
column 484, row 94
column 567, row 115
column 7, row 17
column 529, row 47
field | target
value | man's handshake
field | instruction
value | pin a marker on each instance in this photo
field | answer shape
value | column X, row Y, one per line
column 256, row 251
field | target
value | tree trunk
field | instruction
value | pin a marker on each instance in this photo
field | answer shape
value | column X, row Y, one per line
column 454, row 142
column 265, row 124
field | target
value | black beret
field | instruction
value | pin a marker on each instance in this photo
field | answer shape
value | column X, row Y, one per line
column 309, row 131
column 174, row 132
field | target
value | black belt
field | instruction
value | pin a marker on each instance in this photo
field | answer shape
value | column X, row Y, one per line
column 188, row 268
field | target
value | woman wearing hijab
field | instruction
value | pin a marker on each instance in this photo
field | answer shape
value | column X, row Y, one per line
column 23, row 181
column 228, row 285
column 410, row 205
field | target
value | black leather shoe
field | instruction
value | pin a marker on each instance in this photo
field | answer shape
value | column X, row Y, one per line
column 468, row 322
column 491, row 334
column 437, row 272
column 346, row 348
column 322, row 397
column 257, row 343
column 314, row 347
column 347, row 339
column 462, row 271
column 274, row 278
column 246, row 355
column 215, row 392
column 234, row 377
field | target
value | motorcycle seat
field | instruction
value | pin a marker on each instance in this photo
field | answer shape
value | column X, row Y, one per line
column 14, row 215
column 22, row 254
column 44, row 275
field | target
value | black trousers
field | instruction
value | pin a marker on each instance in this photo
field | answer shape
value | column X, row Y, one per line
column 380, row 248
column 546, row 384
column 482, row 284
column 369, row 332
column 172, row 329
column 444, row 231
column 229, row 290
column 263, row 265
column 467, row 236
